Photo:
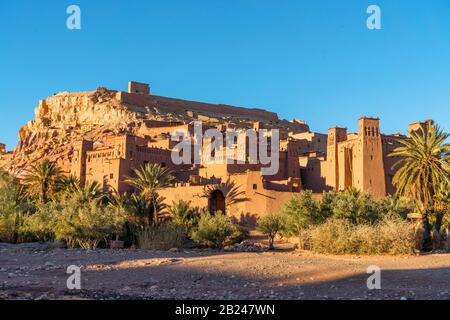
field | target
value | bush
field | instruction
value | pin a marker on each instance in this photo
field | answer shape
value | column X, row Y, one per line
column 40, row 225
column 355, row 206
column 13, row 207
column 164, row 236
column 215, row 231
column 9, row 224
column 270, row 225
column 394, row 206
column 300, row 212
column 327, row 204
column 391, row 235
column 87, row 224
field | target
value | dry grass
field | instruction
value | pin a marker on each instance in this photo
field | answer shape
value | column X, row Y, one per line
column 161, row 237
column 392, row 236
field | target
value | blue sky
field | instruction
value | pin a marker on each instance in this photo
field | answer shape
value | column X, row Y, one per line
column 311, row 60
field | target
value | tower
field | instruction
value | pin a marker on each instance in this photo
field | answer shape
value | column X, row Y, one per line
column 138, row 87
column 78, row 163
column 369, row 166
column 335, row 135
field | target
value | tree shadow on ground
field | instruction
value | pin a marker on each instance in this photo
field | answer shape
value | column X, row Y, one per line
column 196, row 274
column 223, row 276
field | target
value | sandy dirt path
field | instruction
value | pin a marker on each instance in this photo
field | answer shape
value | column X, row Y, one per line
column 33, row 273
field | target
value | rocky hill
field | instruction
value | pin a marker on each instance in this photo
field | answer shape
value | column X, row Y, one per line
column 67, row 117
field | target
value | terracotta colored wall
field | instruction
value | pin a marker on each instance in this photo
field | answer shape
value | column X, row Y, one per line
column 253, row 200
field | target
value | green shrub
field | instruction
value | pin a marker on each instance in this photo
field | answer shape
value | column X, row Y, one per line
column 40, row 226
column 215, row 231
column 164, row 236
column 271, row 225
column 9, row 224
column 87, row 223
column 300, row 212
column 13, row 207
column 327, row 204
column 355, row 206
column 391, row 235
column 394, row 206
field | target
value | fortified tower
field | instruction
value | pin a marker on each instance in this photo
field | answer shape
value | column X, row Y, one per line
column 369, row 174
column 78, row 163
column 138, row 87
column 335, row 135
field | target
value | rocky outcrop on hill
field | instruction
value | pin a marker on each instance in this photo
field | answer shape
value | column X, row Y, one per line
column 67, row 117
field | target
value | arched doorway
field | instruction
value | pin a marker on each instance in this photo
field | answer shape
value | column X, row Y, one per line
column 216, row 202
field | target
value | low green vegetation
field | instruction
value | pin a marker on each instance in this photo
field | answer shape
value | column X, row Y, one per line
column 216, row 230
column 348, row 222
column 46, row 206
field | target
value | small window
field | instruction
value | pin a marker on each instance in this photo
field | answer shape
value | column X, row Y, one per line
column 111, row 175
column 255, row 186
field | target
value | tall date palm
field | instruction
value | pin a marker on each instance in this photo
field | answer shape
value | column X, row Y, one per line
column 424, row 167
column 148, row 180
column 42, row 180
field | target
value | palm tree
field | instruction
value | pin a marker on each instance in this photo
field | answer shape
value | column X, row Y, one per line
column 181, row 212
column 71, row 187
column 90, row 191
column 441, row 205
column 139, row 208
column 424, row 165
column 148, row 180
column 42, row 180
column 118, row 202
column 69, row 183
column 13, row 203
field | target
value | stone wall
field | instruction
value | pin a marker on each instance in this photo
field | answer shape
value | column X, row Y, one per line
column 138, row 87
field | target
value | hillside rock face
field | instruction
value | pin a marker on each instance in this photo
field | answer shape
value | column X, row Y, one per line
column 68, row 117
column 64, row 118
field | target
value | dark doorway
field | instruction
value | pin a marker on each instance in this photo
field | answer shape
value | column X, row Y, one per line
column 216, row 202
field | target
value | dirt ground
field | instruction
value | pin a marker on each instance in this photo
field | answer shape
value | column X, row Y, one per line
column 34, row 271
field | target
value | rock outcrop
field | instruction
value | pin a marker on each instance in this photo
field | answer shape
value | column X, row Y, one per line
column 67, row 117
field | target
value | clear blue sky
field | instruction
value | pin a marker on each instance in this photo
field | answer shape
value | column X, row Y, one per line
column 312, row 60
